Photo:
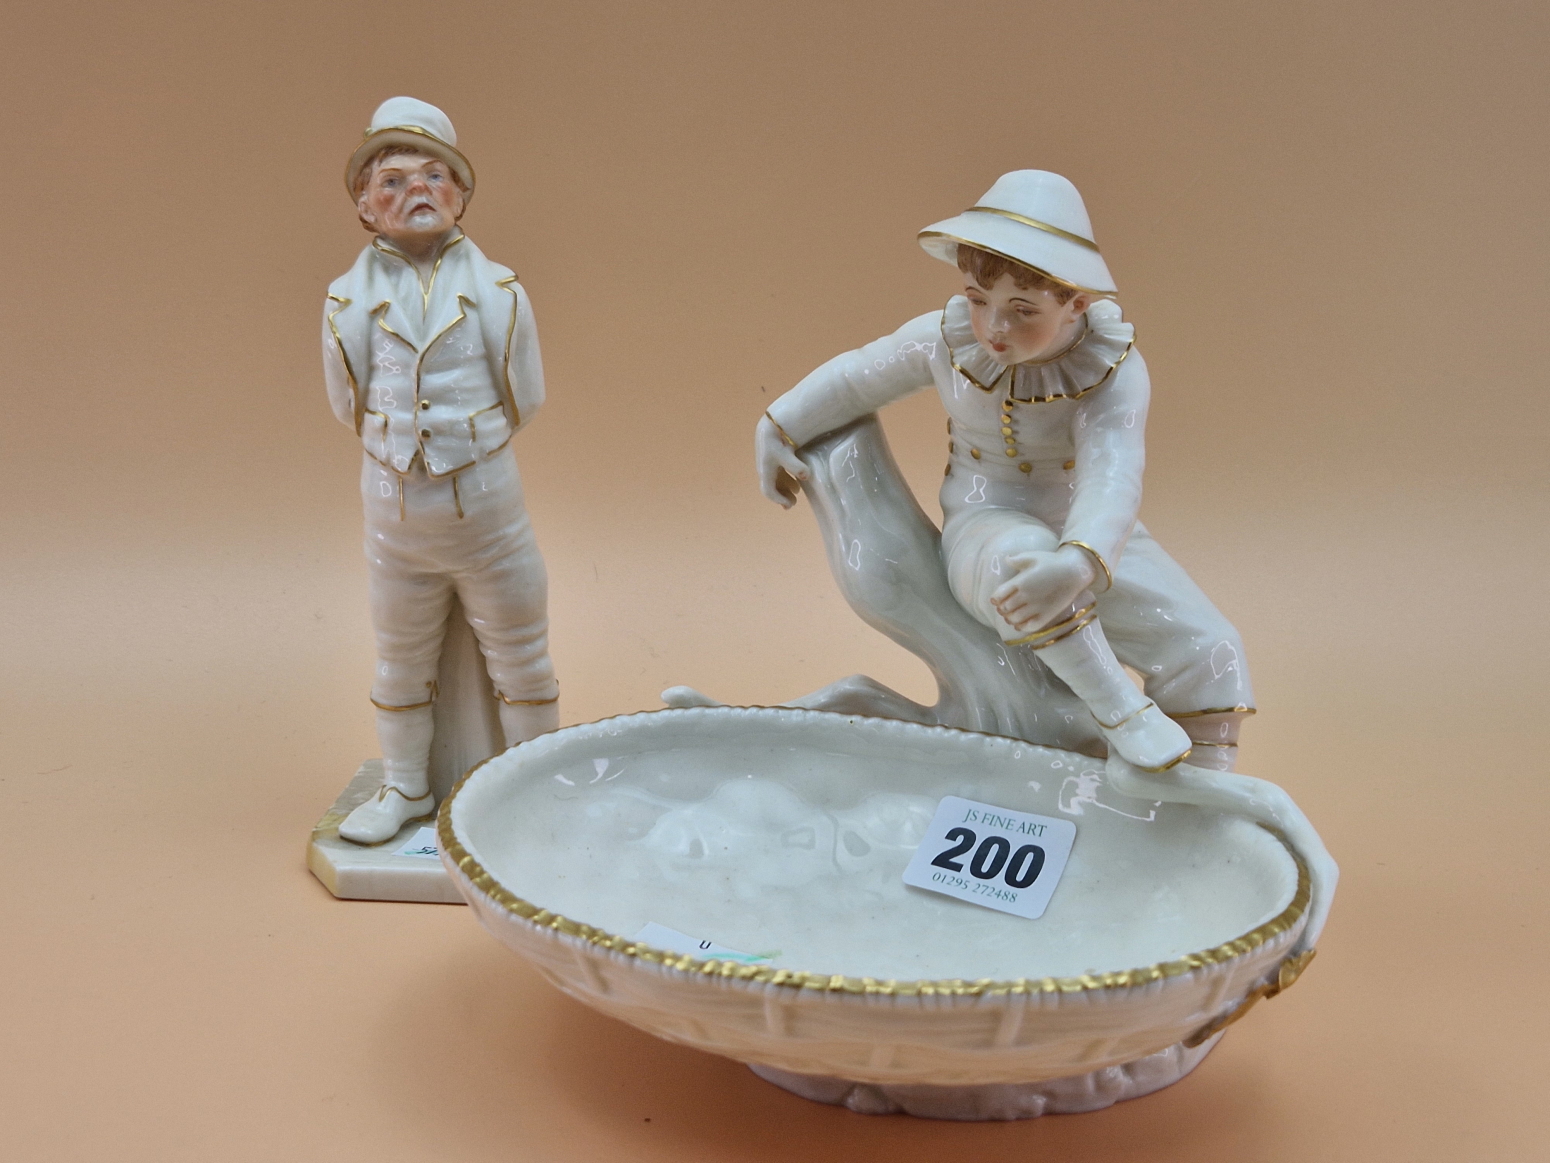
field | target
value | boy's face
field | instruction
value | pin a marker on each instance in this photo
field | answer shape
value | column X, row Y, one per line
column 411, row 199
column 1016, row 324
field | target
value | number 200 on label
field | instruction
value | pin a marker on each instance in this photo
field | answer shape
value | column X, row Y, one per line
column 993, row 856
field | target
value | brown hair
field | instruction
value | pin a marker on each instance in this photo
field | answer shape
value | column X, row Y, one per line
column 986, row 268
column 369, row 167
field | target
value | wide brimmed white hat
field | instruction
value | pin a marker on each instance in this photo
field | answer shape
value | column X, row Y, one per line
column 417, row 124
column 1032, row 217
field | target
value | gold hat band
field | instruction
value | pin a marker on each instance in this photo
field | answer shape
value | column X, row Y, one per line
column 350, row 168
column 1036, row 224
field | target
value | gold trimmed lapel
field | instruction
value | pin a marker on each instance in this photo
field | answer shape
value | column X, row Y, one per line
column 503, row 373
column 462, row 302
column 381, row 313
column 357, row 396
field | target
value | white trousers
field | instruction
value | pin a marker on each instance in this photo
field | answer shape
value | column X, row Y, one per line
column 1158, row 621
column 467, row 535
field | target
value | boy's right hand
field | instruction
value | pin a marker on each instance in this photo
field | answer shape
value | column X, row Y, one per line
column 777, row 464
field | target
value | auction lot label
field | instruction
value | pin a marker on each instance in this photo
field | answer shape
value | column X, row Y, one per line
column 1004, row 860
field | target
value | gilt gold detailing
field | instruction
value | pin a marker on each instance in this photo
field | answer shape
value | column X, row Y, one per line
column 425, row 288
column 375, row 415
column 473, row 435
column 445, row 473
column 1062, row 637
column 526, row 702
column 515, row 414
column 1011, row 387
column 1019, row 261
column 1025, row 467
column 1064, row 351
column 1096, row 556
column 434, row 689
column 1290, row 970
column 1061, row 625
column 837, row 983
column 1037, row 225
column 463, row 303
column 953, row 359
column 382, row 323
column 792, row 444
column 418, row 132
column 1170, row 765
column 1146, row 706
column 382, row 793
column 1080, row 392
column 457, row 499
column 1238, row 710
column 357, row 397
column 966, row 374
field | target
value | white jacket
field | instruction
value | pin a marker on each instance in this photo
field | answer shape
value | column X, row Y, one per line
column 1075, row 424
column 444, row 371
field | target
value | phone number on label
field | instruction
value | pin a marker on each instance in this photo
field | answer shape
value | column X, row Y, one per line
column 976, row 887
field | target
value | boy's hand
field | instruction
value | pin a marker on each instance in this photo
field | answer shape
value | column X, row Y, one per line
column 1044, row 587
column 777, row 464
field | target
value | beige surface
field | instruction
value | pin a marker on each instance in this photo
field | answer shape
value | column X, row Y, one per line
column 1328, row 223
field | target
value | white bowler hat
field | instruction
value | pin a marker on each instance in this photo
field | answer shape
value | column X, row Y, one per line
column 1032, row 217
column 421, row 126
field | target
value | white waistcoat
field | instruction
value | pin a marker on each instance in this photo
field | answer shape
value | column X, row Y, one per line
column 443, row 370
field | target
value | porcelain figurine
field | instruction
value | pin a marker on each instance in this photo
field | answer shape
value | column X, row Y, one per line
column 1046, row 395
column 431, row 357
column 1041, row 587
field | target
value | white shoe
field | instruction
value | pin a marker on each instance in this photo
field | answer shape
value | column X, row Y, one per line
column 379, row 818
column 1147, row 739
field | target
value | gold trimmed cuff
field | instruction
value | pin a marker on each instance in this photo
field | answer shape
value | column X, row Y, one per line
column 1146, row 706
column 781, row 432
column 411, row 706
column 1061, row 637
column 526, row 702
column 1053, row 632
column 1096, row 556
column 1238, row 710
column 1170, row 765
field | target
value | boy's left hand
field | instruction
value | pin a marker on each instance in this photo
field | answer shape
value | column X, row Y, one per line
column 1045, row 586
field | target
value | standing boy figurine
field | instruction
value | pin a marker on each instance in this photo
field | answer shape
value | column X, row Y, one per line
column 431, row 356
column 1046, row 397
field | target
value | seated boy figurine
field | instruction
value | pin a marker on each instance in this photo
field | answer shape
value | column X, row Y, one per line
column 431, row 355
column 1046, row 398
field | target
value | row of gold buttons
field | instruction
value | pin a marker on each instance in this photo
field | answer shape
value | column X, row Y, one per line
column 1009, row 435
column 1011, row 443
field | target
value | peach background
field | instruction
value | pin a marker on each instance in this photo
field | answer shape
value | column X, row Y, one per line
column 1328, row 221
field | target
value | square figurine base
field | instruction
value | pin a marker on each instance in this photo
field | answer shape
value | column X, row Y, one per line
column 380, row 872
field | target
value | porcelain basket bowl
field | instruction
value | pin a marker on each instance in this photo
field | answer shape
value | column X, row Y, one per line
column 784, row 834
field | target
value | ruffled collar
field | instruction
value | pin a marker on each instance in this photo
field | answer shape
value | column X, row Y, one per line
column 1081, row 368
